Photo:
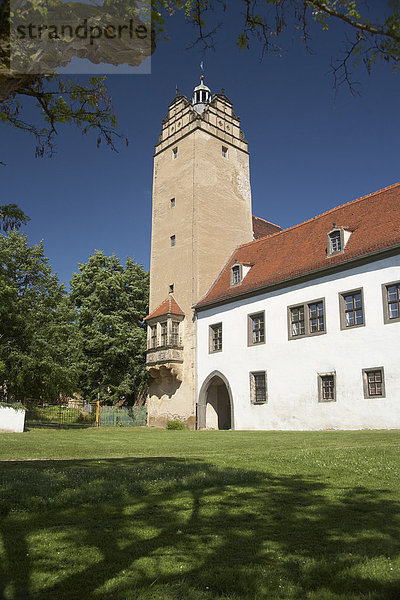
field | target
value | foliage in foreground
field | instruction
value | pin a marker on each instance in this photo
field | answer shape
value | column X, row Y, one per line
column 226, row 515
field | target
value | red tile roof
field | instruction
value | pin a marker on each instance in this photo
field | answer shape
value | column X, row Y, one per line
column 168, row 307
column 374, row 221
column 262, row 228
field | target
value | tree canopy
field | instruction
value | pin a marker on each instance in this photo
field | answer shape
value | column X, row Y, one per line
column 111, row 301
column 37, row 332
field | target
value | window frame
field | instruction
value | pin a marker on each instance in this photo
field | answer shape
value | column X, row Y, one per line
column 253, row 388
column 250, row 328
column 306, row 311
column 386, row 318
column 211, row 329
column 240, row 271
column 342, row 308
column 163, row 335
column 320, row 379
column 329, row 250
column 174, row 340
column 153, row 336
column 365, row 373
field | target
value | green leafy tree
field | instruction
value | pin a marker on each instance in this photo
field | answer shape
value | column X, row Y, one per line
column 111, row 301
column 12, row 217
column 370, row 30
column 37, row 329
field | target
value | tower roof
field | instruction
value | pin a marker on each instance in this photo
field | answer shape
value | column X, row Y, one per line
column 201, row 96
column 168, row 307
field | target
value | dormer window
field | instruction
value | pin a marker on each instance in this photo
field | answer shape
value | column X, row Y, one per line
column 337, row 239
column 236, row 274
column 335, row 242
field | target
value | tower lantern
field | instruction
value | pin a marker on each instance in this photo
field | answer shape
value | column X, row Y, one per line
column 201, row 96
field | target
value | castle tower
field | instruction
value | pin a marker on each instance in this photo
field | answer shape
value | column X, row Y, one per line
column 201, row 212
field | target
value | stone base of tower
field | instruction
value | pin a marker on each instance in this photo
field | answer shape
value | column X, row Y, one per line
column 168, row 400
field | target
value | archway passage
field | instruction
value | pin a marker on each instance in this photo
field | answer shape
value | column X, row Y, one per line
column 215, row 404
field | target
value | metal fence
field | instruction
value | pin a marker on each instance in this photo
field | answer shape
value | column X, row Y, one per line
column 91, row 415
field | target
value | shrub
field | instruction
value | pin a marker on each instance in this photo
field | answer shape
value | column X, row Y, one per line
column 16, row 406
column 175, row 424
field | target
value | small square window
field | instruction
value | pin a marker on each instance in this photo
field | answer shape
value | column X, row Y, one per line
column 172, row 202
column 173, row 240
column 327, row 387
column 215, row 338
column 391, row 302
column 374, row 383
column 351, row 309
column 224, row 151
column 258, row 387
column 174, row 153
column 256, row 329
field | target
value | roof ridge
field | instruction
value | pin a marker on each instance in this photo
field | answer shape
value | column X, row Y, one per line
column 266, row 221
column 331, row 210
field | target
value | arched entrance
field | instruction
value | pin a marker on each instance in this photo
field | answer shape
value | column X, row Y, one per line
column 215, row 406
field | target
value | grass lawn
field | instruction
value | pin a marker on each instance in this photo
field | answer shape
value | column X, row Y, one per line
column 138, row 514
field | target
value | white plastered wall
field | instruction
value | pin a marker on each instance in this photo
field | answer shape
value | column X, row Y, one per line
column 293, row 366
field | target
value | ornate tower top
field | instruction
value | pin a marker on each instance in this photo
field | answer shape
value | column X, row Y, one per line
column 201, row 96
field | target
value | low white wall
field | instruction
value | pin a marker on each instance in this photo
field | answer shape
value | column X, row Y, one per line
column 11, row 420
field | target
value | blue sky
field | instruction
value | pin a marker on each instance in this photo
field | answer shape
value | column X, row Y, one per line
column 310, row 149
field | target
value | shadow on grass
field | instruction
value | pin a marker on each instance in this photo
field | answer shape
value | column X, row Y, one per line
column 173, row 528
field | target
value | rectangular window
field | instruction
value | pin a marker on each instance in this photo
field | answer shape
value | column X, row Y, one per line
column 171, row 288
column 216, row 337
column 174, row 153
column 153, row 336
column 256, row 329
column 306, row 319
column 236, row 274
column 172, row 202
column 391, row 302
column 374, row 382
column 224, row 151
column 335, row 242
column 297, row 321
column 326, row 387
column 173, row 240
column 174, row 333
column 351, row 309
column 164, row 334
column 316, row 317
column 258, row 387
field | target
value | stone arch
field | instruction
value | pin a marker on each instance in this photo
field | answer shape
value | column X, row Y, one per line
column 216, row 392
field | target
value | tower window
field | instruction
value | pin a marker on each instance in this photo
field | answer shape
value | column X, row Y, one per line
column 224, row 151
column 175, row 152
column 172, row 238
column 172, row 201
column 171, row 288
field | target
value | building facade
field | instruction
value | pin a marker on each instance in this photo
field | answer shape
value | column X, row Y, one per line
column 254, row 327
